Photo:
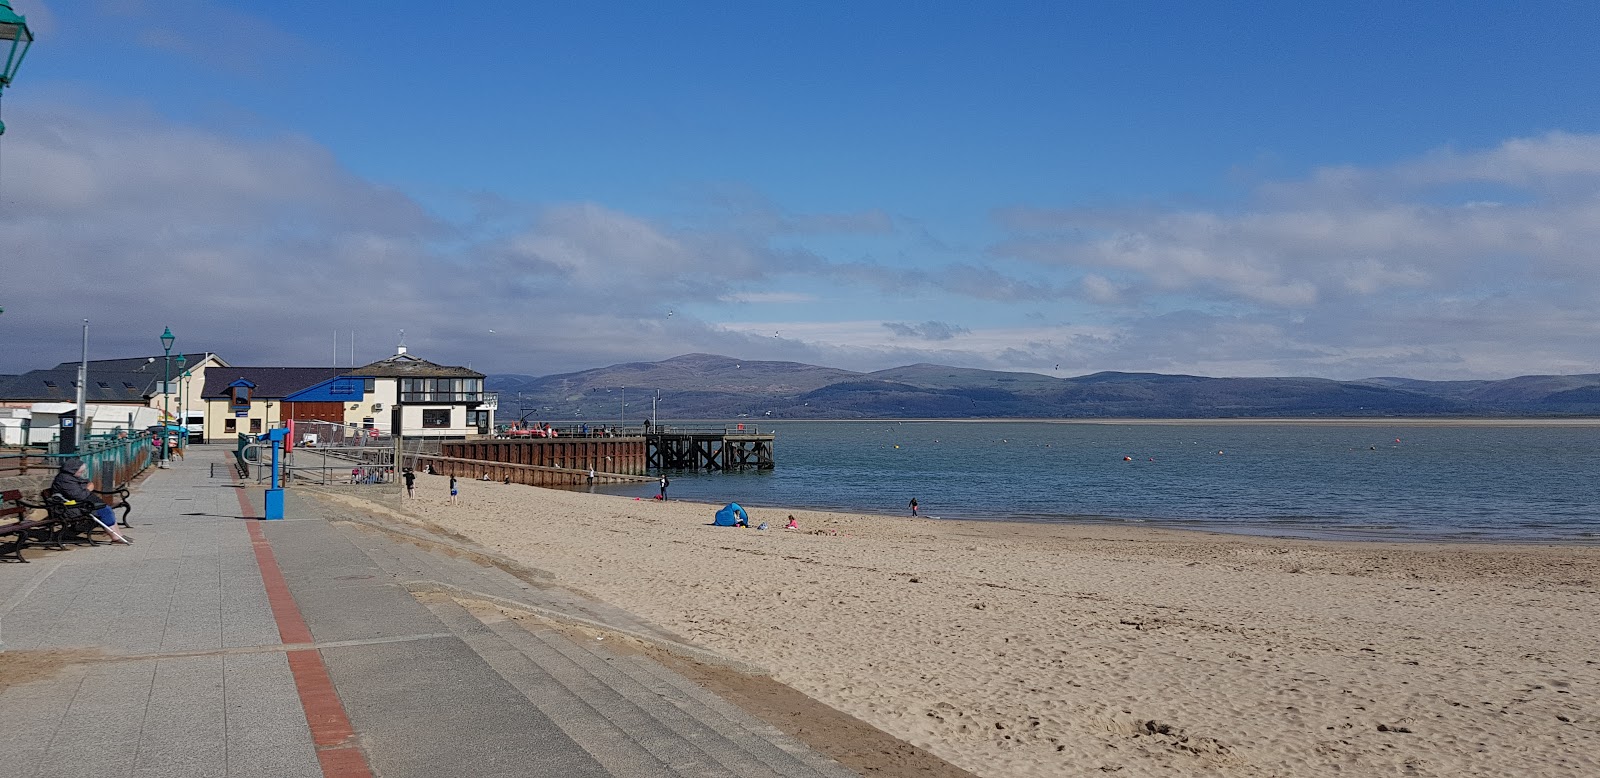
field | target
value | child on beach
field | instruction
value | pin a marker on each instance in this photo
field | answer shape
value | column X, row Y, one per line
column 792, row 523
column 913, row 506
column 411, row 482
column 453, row 493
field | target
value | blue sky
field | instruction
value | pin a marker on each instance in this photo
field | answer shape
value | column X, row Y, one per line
column 1343, row 191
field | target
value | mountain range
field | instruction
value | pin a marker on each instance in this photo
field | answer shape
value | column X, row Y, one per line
column 706, row 386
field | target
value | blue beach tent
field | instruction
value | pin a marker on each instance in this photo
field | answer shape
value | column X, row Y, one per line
column 730, row 515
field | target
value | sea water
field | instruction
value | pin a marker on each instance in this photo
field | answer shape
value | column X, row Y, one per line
column 1399, row 481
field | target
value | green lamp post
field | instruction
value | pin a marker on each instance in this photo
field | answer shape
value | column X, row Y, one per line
column 166, row 390
column 15, row 38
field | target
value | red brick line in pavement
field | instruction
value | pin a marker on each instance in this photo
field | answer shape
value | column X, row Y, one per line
column 335, row 739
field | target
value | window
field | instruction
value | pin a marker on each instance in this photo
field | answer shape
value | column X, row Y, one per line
column 368, row 385
column 435, row 417
column 230, row 425
column 255, row 426
column 103, row 384
column 441, row 390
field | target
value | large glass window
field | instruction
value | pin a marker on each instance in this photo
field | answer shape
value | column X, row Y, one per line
column 435, row 417
column 441, row 390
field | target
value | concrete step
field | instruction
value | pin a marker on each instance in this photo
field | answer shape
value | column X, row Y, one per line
column 685, row 745
column 600, row 734
column 662, row 703
column 771, row 745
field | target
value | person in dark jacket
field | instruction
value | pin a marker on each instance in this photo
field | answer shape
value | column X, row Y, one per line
column 72, row 482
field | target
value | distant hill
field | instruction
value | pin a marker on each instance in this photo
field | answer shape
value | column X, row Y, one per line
column 710, row 386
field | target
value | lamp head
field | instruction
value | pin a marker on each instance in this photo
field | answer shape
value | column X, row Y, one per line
column 15, row 38
column 166, row 336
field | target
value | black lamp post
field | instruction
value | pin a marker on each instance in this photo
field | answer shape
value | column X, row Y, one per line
column 166, row 385
column 15, row 38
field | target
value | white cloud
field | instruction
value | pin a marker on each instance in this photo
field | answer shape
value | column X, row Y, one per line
column 261, row 248
column 768, row 298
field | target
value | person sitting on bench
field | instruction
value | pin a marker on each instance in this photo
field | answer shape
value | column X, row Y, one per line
column 72, row 483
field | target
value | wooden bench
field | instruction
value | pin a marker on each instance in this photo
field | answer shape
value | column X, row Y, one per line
column 16, row 531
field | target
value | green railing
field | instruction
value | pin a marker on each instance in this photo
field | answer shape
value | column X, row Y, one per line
column 113, row 460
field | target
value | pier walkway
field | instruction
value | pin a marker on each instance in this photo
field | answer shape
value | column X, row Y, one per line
column 218, row 645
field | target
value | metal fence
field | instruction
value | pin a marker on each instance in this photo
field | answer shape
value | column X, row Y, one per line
column 113, row 460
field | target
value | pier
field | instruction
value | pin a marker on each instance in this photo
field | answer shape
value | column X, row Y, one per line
column 534, row 456
column 713, row 449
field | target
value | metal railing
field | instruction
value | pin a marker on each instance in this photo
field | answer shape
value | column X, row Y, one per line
column 568, row 430
column 113, row 460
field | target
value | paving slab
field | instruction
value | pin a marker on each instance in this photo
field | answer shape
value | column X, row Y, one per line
column 172, row 662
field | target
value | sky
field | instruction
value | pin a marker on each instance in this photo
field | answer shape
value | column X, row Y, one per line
column 1340, row 190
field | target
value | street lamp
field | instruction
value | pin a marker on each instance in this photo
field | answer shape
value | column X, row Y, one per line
column 166, row 385
column 15, row 38
column 183, row 405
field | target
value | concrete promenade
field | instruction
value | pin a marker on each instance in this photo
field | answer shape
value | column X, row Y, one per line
column 219, row 645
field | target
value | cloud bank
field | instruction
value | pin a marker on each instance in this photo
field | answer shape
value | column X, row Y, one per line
column 1458, row 263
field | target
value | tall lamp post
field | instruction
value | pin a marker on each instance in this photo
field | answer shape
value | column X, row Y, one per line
column 183, row 405
column 15, row 38
column 166, row 386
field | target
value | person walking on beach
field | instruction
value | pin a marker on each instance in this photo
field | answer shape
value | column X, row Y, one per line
column 664, row 484
column 453, row 499
column 913, row 506
column 411, row 482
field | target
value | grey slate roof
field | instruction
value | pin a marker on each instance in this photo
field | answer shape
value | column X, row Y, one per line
column 408, row 366
column 140, row 364
column 271, row 382
column 60, row 385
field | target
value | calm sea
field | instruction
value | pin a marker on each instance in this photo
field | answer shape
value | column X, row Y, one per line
column 1367, row 481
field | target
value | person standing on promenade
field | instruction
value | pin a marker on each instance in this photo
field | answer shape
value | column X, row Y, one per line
column 913, row 506
column 453, row 499
column 664, row 484
column 411, row 482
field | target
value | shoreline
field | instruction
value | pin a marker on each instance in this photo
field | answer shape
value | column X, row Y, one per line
column 1309, row 533
column 1023, row 649
column 1353, row 421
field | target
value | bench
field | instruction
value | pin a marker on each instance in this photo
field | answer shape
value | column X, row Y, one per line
column 121, row 504
column 16, row 531
column 75, row 522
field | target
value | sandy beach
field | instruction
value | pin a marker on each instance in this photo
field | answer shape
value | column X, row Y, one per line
column 1039, row 650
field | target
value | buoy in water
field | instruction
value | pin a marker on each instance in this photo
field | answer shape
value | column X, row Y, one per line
column 1127, row 459
column 896, row 446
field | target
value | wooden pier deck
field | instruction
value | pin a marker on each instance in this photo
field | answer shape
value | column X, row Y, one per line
column 713, row 449
column 628, row 451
